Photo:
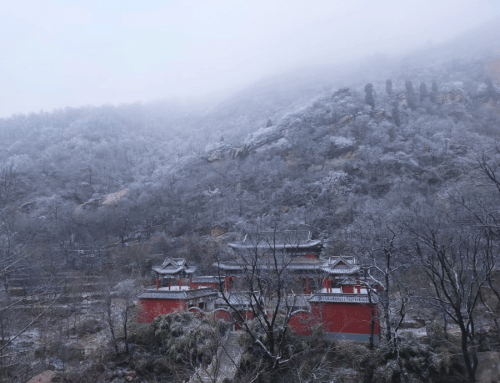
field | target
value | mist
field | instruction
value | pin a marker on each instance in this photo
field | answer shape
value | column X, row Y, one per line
column 56, row 55
column 335, row 163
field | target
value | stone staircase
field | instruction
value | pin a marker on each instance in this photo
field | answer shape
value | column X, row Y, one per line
column 224, row 365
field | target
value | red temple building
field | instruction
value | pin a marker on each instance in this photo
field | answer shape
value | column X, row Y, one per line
column 163, row 301
column 326, row 290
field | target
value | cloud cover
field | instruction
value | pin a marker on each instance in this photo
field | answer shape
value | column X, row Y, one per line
column 59, row 53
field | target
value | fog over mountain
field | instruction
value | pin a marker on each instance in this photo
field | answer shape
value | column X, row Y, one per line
column 56, row 54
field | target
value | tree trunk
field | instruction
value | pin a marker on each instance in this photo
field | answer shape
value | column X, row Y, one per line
column 470, row 365
column 125, row 320
column 445, row 326
column 111, row 329
column 387, row 318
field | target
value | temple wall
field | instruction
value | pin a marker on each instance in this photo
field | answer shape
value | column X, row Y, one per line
column 344, row 317
column 302, row 323
column 151, row 308
column 338, row 320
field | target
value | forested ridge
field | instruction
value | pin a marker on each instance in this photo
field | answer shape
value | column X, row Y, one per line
column 396, row 163
column 181, row 173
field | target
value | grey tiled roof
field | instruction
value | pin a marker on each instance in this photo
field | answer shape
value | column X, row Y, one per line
column 177, row 294
column 289, row 239
column 173, row 266
column 237, row 299
column 330, row 266
column 286, row 236
column 298, row 301
column 330, row 270
column 233, row 266
column 265, row 245
column 340, row 265
column 207, row 279
column 341, row 298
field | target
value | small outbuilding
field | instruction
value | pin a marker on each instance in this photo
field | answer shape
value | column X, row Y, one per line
column 166, row 300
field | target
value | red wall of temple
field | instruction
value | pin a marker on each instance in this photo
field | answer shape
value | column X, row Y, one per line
column 224, row 315
column 344, row 317
column 151, row 308
column 335, row 317
column 348, row 289
column 246, row 315
column 301, row 323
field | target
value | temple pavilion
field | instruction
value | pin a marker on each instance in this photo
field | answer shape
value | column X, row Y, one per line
column 301, row 255
column 326, row 290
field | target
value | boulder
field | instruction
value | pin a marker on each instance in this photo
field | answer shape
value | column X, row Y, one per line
column 488, row 370
column 46, row 377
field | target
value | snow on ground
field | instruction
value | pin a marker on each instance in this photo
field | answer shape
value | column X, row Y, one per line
column 94, row 343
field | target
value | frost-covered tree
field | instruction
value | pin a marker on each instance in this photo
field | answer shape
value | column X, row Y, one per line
column 411, row 99
column 267, row 292
column 396, row 114
column 369, row 96
column 453, row 256
column 336, row 183
column 183, row 344
column 423, row 92
column 380, row 245
column 388, row 87
column 434, row 91
column 384, row 269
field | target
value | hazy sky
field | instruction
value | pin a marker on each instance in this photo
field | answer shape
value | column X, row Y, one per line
column 71, row 53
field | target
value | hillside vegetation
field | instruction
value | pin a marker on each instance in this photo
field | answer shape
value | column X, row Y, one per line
column 395, row 163
column 181, row 173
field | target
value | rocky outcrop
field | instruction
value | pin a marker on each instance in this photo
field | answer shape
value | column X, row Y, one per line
column 456, row 96
column 224, row 152
column 46, row 377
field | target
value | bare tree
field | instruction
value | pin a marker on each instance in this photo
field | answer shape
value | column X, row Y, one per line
column 457, row 269
column 268, row 297
column 481, row 215
column 29, row 282
column 119, row 293
column 384, row 263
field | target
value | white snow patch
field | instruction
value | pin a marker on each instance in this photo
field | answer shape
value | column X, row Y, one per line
column 341, row 142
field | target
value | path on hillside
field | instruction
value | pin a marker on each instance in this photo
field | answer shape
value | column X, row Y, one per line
column 225, row 363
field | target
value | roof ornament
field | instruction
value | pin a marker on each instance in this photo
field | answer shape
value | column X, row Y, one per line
column 174, row 267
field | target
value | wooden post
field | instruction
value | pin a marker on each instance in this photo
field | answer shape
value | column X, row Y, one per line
column 180, row 283
column 169, row 282
column 157, row 283
column 308, row 290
